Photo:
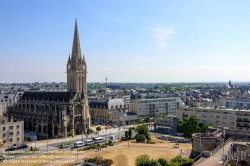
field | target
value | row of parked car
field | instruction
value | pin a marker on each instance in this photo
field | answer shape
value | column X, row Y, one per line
column 89, row 142
column 176, row 140
column 12, row 148
column 85, row 143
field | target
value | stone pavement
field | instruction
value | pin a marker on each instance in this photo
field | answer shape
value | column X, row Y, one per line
column 215, row 160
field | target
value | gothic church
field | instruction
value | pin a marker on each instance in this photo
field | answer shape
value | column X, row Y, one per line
column 58, row 113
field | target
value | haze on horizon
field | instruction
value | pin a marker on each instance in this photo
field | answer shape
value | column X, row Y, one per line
column 127, row 41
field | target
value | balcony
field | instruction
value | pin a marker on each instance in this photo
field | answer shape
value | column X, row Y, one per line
column 238, row 125
column 243, row 120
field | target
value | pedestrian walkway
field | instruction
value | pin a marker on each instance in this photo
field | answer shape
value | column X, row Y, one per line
column 216, row 159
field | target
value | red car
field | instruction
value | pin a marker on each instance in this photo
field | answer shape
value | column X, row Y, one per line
column 107, row 124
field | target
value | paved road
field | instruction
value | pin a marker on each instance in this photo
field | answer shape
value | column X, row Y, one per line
column 51, row 144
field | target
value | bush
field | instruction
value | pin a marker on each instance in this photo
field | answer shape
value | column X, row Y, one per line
column 163, row 162
column 31, row 148
column 140, row 138
column 103, row 146
column 151, row 142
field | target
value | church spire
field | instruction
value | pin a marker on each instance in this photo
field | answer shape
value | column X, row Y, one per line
column 76, row 49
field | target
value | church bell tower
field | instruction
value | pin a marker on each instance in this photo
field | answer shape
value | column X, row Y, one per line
column 76, row 67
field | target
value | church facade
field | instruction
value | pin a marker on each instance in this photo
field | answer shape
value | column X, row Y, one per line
column 53, row 114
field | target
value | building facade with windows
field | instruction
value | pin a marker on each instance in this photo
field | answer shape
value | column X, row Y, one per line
column 232, row 118
column 153, row 106
column 168, row 123
column 11, row 132
column 100, row 110
column 238, row 102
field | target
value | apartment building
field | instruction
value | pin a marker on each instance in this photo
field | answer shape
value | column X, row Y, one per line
column 238, row 102
column 154, row 106
column 11, row 132
column 234, row 119
column 122, row 118
column 167, row 123
column 100, row 110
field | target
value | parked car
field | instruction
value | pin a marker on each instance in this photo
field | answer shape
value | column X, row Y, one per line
column 89, row 142
column 115, row 126
column 96, row 123
column 10, row 148
column 63, row 146
column 23, row 146
column 107, row 124
column 78, row 144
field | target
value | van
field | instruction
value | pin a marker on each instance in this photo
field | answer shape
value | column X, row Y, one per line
column 99, row 139
column 89, row 142
column 78, row 144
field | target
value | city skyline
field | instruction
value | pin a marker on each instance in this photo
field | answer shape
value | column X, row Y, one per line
column 126, row 41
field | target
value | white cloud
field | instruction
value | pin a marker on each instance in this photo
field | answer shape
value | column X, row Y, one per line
column 106, row 69
column 161, row 35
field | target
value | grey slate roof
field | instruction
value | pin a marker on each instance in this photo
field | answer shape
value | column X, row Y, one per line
column 110, row 104
column 61, row 96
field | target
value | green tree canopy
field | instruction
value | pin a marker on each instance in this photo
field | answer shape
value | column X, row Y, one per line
column 98, row 129
column 204, row 127
column 189, row 126
column 143, row 130
column 147, row 120
column 130, row 133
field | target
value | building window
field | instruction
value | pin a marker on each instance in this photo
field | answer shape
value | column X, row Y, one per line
column 10, row 133
column 11, row 127
column 2, row 122
column 3, row 135
column 10, row 139
column 17, row 139
column 3, row 128
column 17, row 133
column 17, row 126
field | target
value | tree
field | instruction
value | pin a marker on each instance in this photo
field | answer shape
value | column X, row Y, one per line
column 98, row 129
column 144, row 160
column 130, row 133
column 106, row 128
column 147, row 120
column 204, row 127
column 126, row 134
column 143, row 130
column 189, row 126
column 163, row 162
column 89, row 131
column 138, row 121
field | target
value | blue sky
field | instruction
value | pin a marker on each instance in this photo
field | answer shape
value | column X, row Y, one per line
column 127, row 41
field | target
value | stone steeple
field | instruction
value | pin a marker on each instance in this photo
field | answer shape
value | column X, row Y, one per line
column 76, row 67
column 76, row 48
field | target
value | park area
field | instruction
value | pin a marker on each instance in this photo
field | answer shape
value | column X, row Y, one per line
column 123, row 154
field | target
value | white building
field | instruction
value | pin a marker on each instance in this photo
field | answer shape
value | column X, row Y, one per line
column 154, row 106
column 238, row 102
column 11, row 132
